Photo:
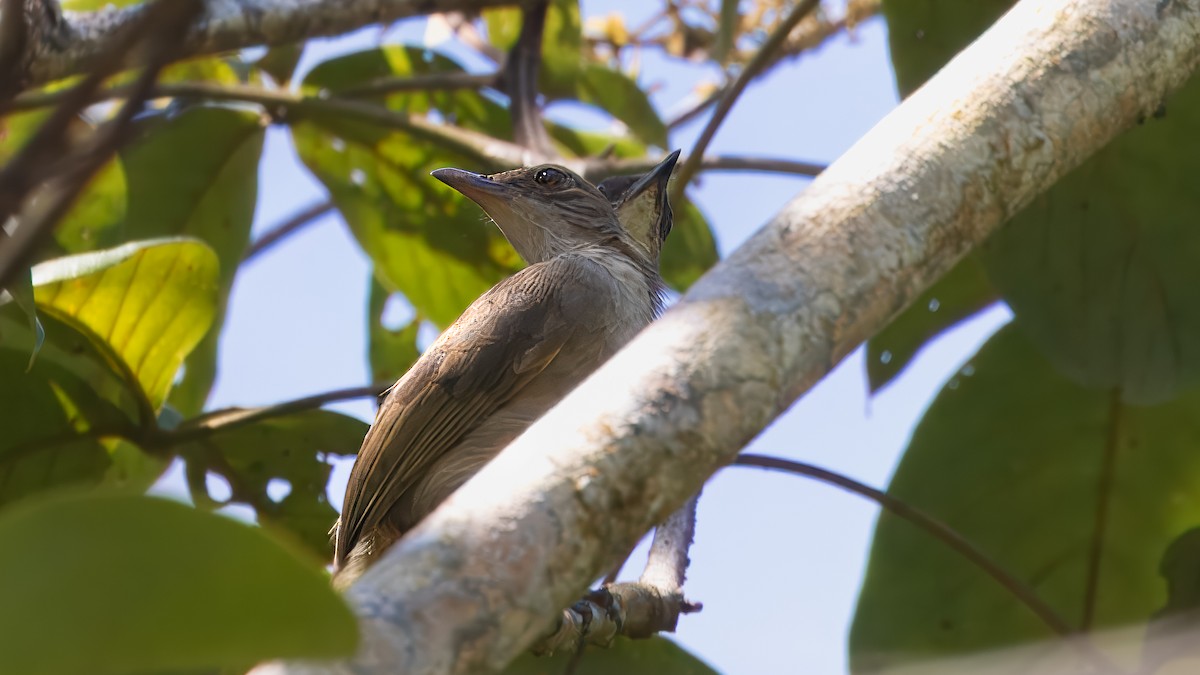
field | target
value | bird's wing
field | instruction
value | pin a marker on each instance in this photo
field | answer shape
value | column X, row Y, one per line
column 499, row 344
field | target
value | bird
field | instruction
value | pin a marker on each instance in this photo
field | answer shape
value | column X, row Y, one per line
column 592, row 282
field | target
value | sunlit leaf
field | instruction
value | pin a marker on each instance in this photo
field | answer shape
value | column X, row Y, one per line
column 655, row 656
column 151, row 301
column 191, row 589
column 1071, row 491
column 280, row 466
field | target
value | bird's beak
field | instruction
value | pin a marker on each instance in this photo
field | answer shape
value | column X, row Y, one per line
column 477, row 187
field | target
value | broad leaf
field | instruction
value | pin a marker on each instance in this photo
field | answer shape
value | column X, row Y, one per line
column 210, row 196
column 192, row 590
column 562, row 42
column 22, row 294
column 291, row 454
column 1100, row 269
column 1068, row 489
column 655, row 656
column 151, row 301
column 960, row 294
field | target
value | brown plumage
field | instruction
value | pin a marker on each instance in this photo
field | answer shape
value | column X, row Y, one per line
column 591, row 284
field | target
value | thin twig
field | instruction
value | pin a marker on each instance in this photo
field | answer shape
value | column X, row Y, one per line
column 948, row 536
column 751, row 71
column 433, row 82
column 232, row 418
column 287, row 228
column 161, row 24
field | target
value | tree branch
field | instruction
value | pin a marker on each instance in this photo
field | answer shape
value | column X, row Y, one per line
column 42, row 158
column 69, row 48
column 756, row 65
column 520, row 81
column 485, row 574
column 287, row 228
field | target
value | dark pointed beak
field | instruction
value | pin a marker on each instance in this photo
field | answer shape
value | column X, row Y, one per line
column 475, row 186
column 655, row 178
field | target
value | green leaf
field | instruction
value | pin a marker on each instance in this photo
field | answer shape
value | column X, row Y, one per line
column 582, row 143
column 151, row 301
column 390, row 352
column 289, row 452
column 93, row 5
column 1100, row 269
column 656, row 656
column 211, row 196
column 962, row 293
column 690, row 249
column 620, row 96
column 53, row 413
column 1069, row 490
column 426, row 241
column 135, row 584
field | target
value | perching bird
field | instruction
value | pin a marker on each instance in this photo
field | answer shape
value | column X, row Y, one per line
column 592, row 283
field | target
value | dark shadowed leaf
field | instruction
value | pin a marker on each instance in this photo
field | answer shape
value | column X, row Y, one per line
column 58, row 414
column 194, row 590
column 562, row 42
column 210, row 196
column 389, row 352
column 1100, row 269
column 151, row 301
column 655, row 656
column 280, row 466
column 960, row 294
column 1070, row 490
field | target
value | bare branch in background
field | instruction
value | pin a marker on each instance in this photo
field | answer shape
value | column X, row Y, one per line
column 71, row 47
column 756, row 65
column 953, row 540
column 520, row 81
column 293, row 224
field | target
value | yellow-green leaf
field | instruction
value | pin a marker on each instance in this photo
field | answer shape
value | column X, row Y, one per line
column 150, row 301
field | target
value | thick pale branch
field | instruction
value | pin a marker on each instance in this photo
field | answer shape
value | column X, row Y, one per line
column 1043, row 89
column 67, row 47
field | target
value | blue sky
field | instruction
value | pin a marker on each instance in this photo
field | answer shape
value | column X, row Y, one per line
column 778, row 559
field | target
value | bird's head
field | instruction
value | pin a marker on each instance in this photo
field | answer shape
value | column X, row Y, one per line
column 542, row 210
column 547, row 210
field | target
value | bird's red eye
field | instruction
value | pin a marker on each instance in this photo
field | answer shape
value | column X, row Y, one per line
column 550, row 177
